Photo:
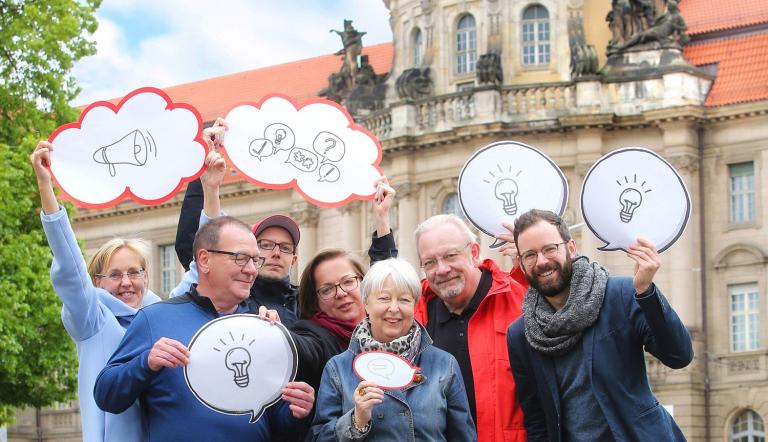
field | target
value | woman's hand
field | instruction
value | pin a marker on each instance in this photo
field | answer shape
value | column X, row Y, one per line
column 382, row 203
column 41, row 163
column 214, row 135
column 367, row 394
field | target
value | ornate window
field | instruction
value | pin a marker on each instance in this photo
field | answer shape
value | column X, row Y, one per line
column 466, row 45
column 747, row 427
column 451, row 205
column 742, row 192
column 745, row 317
column 167, row 269
column 536, row 49
column 418, row 47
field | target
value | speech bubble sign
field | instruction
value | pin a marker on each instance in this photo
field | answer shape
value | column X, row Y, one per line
column 240, row 363
column 317, row 132
column 389, row 371
column 261, row 147
column 503, row 180
column 144, row 148
column 633, row 192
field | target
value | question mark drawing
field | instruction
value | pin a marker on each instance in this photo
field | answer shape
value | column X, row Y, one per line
column 329, row 146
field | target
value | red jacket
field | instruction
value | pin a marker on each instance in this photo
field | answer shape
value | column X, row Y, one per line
column 499, row 416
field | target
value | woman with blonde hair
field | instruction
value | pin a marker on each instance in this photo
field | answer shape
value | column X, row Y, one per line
column 100, row 301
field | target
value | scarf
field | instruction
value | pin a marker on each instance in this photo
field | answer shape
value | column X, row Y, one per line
column 341, row 330
column 406, row 346
column 554, row 333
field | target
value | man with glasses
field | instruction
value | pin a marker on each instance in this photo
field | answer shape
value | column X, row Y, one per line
column 148, row 365
column 466, row 305
column 577, row 353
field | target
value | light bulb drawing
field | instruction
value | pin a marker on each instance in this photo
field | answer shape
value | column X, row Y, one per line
column 506, row 192
column 237, row 361
column 630, row 199
column 506, row 189
column 280, row 135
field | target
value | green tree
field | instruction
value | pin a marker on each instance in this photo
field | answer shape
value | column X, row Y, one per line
column 39, row 42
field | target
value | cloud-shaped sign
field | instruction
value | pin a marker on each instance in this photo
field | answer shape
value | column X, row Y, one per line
column 389, row 371
column 631, row 193
column 143, row 148
column 316, row 148
column 240, row 363
column 503, row 180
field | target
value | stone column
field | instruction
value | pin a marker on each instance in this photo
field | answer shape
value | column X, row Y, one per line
column 407, row 220
column 589, row 148
column 306, row 216
column 351, row 228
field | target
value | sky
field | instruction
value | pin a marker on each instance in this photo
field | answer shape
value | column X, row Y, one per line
column 170, row 42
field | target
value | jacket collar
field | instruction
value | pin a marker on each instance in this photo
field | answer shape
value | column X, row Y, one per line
column 119, row 308
column 500, row 282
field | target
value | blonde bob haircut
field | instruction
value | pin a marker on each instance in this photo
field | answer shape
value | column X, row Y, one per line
column 100, row 260
column 399, row 271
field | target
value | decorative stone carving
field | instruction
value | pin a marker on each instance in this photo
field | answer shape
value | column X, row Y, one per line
column 407, row 191
column 583, row 56
column 351, row 207
column 356, row 85
column 489, row 69
column 645, row 25
column 414, row 84
column 306, row 215
column 685, row 163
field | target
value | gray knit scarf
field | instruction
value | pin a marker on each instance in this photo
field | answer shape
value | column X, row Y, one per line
column 555, row 333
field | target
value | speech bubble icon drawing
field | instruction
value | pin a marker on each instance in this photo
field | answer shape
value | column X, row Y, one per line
column 239, row 364
column 302, row 159
column 261, row 147
column 329, row 147
column 389, row 371
column 281, row 135
column 503, row 180
column 328, row 172
column 633, row 192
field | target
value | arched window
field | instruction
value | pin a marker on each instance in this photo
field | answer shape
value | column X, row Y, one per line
column 535, row 36
column 452, row 206
column 748, row 427
column 417, row 47
column 466, row 45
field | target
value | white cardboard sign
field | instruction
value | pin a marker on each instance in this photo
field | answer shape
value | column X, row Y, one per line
column 633, row 192
column 144, row 148
column 505, row 179
column 389, row 371
column 316, row 148
column 240, row 363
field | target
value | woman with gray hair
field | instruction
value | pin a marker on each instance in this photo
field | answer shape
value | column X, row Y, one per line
column 432, row 407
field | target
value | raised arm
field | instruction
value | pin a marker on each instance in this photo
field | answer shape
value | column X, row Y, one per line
column 383, row 242
column 81, row 314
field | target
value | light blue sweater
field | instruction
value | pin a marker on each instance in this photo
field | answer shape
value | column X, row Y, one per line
column 90, row 317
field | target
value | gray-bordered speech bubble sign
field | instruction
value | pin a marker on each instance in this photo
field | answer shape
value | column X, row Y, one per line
column 505, row 179
column 240, row 363
column 633, row 192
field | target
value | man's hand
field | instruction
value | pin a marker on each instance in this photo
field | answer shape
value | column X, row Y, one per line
column 215, row 169
column 382, row 202
column 214, row 135
column 510, row 248
column 270, row 315
column 647, row 263
column 167, row 353
column 300, row 397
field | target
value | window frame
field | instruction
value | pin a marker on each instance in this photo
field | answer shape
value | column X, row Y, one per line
column 539, row 46
column 468, row 55
column 750, row 327
column 167, row 252
column 749, row 194
column 750, row 432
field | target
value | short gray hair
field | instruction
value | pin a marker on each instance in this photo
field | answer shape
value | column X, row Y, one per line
column 440, row 220
column 399, row 271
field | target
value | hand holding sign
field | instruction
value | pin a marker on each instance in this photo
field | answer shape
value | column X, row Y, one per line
column 239, row 364
column 631, row 193
column 503, row 180
column 386, row 370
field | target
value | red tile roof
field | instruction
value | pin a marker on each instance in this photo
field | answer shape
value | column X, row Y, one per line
column 742, row 73
column 300, row 80
column 704, row 16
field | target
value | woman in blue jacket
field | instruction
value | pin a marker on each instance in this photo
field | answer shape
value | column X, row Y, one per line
column 432, row 407
column 99, row 303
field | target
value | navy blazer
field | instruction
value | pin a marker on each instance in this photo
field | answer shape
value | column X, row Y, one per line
column 615, row 362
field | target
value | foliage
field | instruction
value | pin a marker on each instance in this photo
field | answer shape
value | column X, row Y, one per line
column 39, row 42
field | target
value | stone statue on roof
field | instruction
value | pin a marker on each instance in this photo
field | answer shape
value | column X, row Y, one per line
column 645, row 25
column 352, row 40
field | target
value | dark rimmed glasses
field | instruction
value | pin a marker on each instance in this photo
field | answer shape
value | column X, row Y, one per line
column 241, row 259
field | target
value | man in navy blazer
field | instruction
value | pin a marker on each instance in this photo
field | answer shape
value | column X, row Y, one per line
column 577, row 353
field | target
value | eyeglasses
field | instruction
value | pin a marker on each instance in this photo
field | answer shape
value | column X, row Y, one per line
column 133, row 275
column 549, row 251
column 449, row 258
column 242, row 259
column 346, row 285
column 268, row 245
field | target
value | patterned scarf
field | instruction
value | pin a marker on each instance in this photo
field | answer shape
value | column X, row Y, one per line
column 555, row 332
column 406, row 346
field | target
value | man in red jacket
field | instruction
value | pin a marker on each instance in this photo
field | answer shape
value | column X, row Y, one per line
column 466, row 306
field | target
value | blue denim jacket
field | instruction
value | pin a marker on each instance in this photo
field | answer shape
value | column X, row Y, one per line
column 435, row 409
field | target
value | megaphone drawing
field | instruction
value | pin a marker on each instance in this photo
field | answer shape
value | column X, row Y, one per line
column 134, row 149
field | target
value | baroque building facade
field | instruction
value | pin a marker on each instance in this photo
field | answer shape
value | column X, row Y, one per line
column 576, row 79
